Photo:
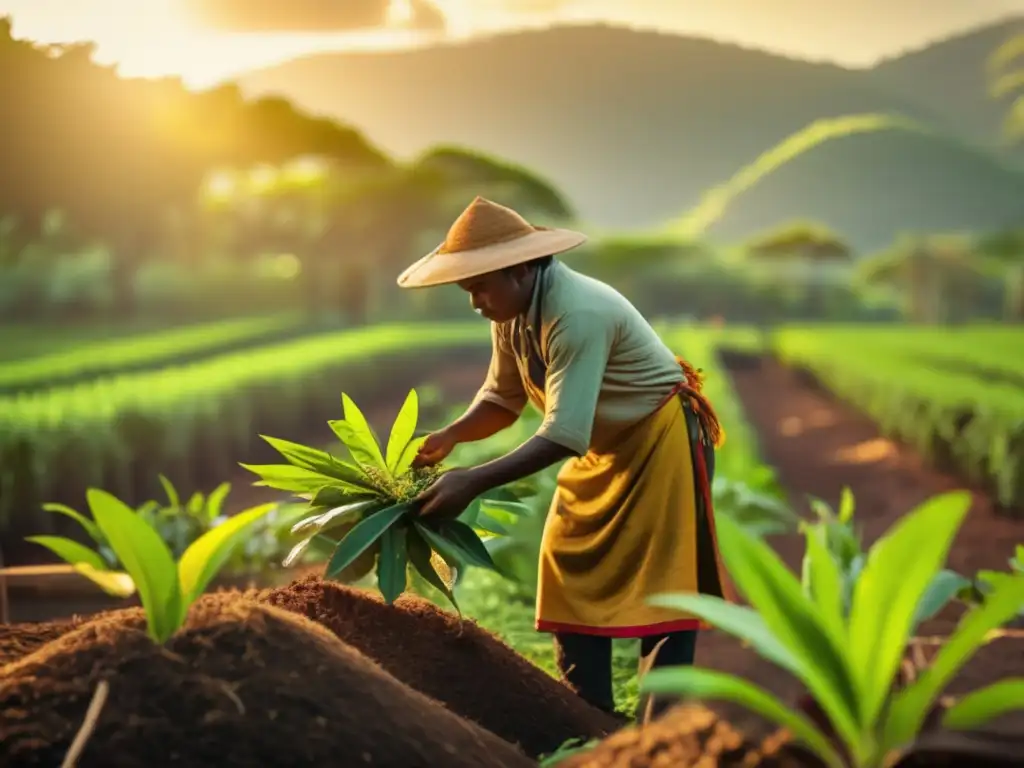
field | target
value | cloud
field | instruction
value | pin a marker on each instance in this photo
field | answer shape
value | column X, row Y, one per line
column 310, row 15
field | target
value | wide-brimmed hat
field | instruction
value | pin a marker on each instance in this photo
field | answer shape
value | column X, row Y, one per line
column 485, row 238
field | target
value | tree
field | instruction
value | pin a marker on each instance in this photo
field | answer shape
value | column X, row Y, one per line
column 1005, row 251
column 939, row 275
column 802, row 251
column 117, row 154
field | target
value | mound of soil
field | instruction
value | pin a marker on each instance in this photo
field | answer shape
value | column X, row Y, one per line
column 690, row 735
column 17, row 640
column 454, row 661
column 242, row 684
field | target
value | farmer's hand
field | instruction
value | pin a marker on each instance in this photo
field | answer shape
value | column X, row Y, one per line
column 435, row 449
column 449, row 495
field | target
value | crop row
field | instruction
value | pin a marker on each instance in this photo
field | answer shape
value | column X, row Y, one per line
column 142, row 351
column 959, row 420
column 992, row 352
column 195, row 422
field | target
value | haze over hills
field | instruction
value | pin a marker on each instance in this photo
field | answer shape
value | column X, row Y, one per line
column 635, row 125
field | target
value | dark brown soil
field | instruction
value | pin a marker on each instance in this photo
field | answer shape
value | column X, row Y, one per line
column 817, row 445
column 689, row 736
column 454, row 661
column 243, row 685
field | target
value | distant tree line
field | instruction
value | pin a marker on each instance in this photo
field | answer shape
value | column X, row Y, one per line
column 125, row 162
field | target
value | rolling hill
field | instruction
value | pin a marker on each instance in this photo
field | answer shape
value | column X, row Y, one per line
column 635, row 125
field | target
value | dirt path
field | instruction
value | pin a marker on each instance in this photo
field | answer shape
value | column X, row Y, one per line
column 817, row 445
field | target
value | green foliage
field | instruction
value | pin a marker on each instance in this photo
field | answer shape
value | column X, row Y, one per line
column 800, row 240
column 189, row 420
column 179, row 524
column 841, row 541
column 951, row 394
column 140, row 351
column 848, row 661
column 166, row 587
column 366, row 511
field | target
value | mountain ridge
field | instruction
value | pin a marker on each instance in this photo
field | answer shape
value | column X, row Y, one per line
column 635, row 125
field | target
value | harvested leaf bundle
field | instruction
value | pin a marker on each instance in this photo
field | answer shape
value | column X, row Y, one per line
column 364, row 511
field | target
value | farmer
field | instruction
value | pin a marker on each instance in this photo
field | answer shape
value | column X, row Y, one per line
column 632, row 513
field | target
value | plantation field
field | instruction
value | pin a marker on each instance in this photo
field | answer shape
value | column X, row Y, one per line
column 196, row 421
column 34, row 358
column 955, row 395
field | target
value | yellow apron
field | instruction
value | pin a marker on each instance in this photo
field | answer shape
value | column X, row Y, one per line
column 631, row 520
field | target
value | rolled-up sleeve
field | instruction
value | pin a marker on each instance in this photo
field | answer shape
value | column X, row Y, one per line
column 578, row 346
column 503, row 386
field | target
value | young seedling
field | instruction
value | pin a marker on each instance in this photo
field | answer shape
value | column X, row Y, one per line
column 365, row 511
column 178, row 524
column 844, row 545
column 166, row 588
column 849, row 659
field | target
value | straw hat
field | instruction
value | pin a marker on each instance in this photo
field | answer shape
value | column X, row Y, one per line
column 486, row 237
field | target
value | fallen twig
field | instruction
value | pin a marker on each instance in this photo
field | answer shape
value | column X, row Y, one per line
column 92, row 715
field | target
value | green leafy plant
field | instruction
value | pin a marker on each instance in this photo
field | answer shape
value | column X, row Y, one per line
column 978, row 589
column 365, row 510
column 759, row 511
column 179, row 524
column 844, row 544
column 849, row 660
column 166, row 588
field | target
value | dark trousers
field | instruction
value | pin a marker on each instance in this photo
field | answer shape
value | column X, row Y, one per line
column 585, row 662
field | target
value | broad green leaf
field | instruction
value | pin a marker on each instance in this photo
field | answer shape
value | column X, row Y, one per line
column 898, row 570
column 207, row 554
column 285, row 477
column 471, row 550
column 114, row 583
column 322, row 523
column 70, row 551
column 392, row 564
column 195, row 504
column 354, row 431
column 471, row 513
column 362, row 536
column 172, row 495
column 846, row 505
column 90, row 527
column 825, row 581
column 911, row 705
column 146, row 559
column 821, row 508
column 508, row 510
column 405, row 461
column 943, row 588
column 215, row 501
column 339, row 495
column 487, row 523
column 737, row 620
column 318, row 461
column 420, row 555
column 710, row 685
column 775, row 593
column 982, row 706
column 402, row 431
column 502, row 493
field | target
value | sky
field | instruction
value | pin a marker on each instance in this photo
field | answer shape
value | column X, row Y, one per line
column 206, row 41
